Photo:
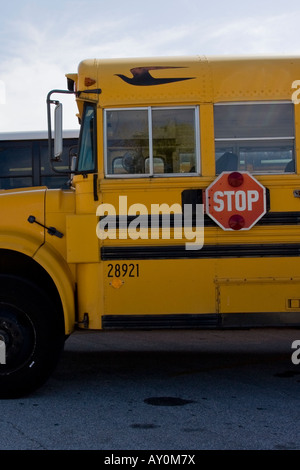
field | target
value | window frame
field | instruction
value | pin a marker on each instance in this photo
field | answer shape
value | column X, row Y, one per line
column 240, row 140
column 151, row 173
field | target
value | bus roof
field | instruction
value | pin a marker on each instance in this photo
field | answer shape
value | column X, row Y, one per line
column 35, row 135
column 187, row 79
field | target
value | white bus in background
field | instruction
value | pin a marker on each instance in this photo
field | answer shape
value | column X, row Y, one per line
column 24, row 160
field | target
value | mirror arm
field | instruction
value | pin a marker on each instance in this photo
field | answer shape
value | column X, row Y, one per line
column 57, row 103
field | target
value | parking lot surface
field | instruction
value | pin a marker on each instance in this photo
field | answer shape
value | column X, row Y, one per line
column 164, row 390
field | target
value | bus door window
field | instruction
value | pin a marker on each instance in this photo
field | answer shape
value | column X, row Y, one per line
column 87, row 147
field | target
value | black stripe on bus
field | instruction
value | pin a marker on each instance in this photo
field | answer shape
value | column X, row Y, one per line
column 202, row 320
column 271, row 218
column 145, row 322
column 208, row 251
column 280, row 218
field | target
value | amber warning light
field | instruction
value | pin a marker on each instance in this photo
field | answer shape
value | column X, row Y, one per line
column 89, row 81
column 235, row 200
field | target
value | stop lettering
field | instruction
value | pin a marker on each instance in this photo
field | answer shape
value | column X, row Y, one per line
column 235, row 200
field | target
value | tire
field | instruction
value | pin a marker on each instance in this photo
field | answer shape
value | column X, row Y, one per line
column 33, row 333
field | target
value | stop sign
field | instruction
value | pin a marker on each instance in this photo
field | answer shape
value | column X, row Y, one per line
column 235, row 200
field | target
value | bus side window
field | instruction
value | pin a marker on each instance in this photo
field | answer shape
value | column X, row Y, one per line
column 127, row 141
column 260, row 136
column 15, row 165
column 228, row 161
column 151, row 141
column 174, row 139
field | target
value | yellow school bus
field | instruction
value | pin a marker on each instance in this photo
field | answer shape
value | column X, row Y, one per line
column 182, row 211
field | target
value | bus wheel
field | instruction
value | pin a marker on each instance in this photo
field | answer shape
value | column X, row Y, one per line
column 32, row 336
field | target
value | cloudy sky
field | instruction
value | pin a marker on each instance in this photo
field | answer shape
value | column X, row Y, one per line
column 42, row 40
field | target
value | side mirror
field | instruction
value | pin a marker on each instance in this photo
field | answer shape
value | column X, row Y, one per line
column 58, row 130
column 73, row 168
column 58, row 138
column 74, row 163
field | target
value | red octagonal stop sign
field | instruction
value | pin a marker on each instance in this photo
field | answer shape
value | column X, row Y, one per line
column 235, row 200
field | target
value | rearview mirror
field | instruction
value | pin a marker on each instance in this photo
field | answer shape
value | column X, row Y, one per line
column 58, row 138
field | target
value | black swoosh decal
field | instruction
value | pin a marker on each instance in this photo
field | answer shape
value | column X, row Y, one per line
column 142, row 77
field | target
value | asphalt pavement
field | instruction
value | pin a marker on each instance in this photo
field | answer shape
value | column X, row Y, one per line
column 164, row 390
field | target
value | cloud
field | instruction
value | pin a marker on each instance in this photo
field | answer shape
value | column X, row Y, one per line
column 38, row 56
column 256, row 35
column 37, row 49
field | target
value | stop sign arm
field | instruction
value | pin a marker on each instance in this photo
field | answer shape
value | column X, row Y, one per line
column 235, row 200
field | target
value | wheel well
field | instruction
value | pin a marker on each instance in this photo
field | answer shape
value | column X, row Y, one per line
column 18, row 264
